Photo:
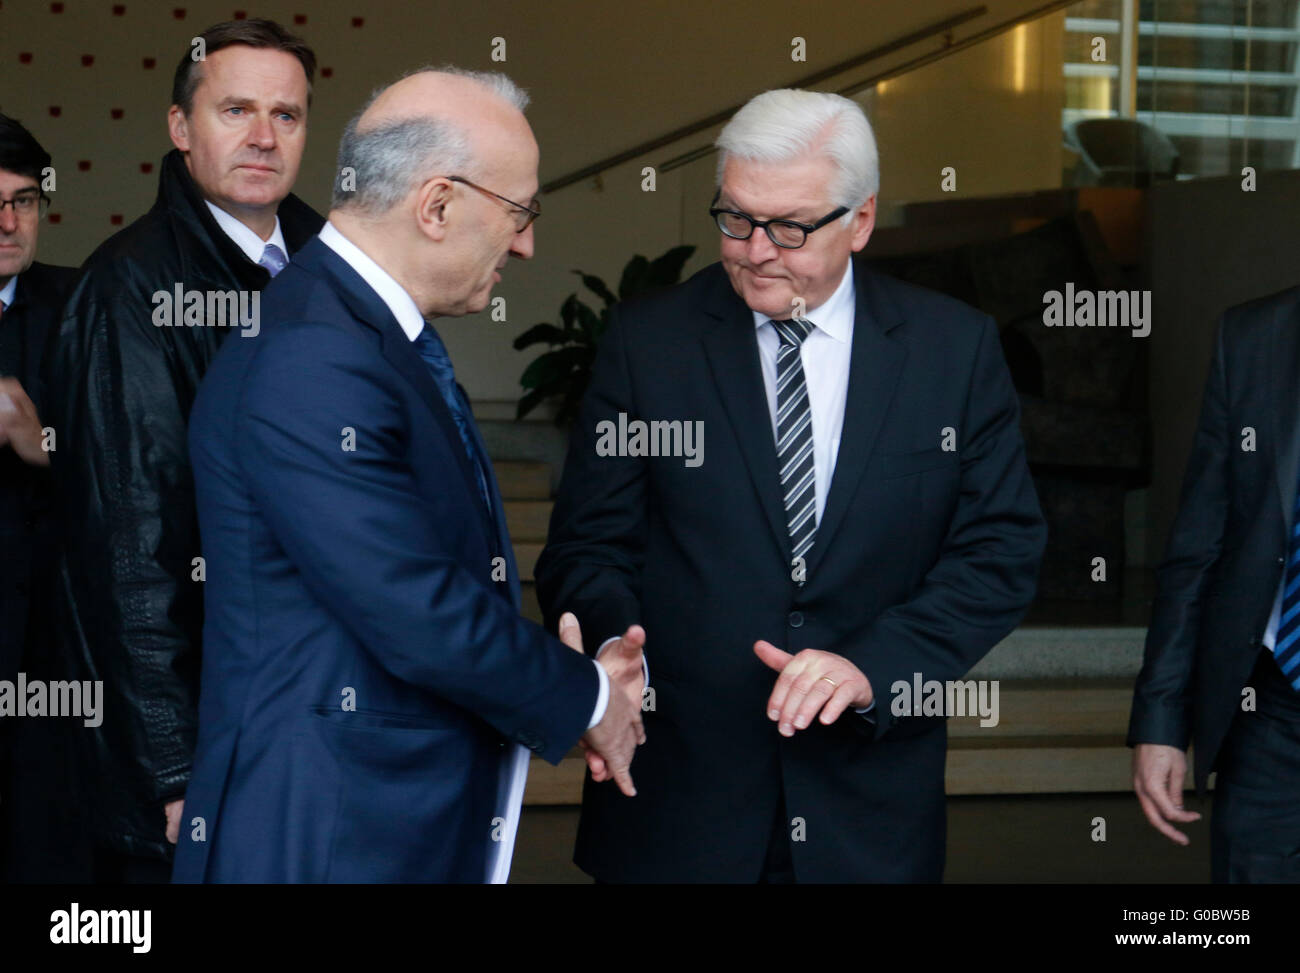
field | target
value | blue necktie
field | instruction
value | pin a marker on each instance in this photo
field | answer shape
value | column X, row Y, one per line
column 273, row 259
column 1286, row 644
column 430, row 348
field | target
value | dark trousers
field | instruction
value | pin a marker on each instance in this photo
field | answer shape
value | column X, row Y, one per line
column 114, row 868
column 1255, row 828
column 778, row 869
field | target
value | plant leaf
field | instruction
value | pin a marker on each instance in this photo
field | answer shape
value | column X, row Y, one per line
column 552, row 365
column 544, row 332
column 667, row 268
column 633, row 277
column 588, row 322
column 597, row 287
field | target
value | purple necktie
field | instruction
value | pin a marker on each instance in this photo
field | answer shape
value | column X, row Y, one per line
column 273, row 259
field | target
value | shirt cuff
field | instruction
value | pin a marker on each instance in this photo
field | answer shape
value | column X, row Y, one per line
column 865, row 709
column 645, row 664
column 602, row 699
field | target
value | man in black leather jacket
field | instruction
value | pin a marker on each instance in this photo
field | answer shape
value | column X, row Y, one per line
column 124, row 367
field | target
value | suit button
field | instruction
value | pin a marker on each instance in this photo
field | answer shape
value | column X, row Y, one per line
column 796, row 619
column 1281, row 560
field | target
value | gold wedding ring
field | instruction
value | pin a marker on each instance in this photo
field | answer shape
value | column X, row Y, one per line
column 833, row 683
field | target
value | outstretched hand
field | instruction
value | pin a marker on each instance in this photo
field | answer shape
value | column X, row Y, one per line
column 605, row 745
column 810, row 682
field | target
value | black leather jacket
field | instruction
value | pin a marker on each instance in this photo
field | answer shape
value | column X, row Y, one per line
column 120, row 390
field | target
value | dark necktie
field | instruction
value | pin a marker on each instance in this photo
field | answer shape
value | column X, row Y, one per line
column 434, row 353
column 1286, row 644
column 794, row 439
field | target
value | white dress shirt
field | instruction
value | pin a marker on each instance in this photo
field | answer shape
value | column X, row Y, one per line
column 1275, row 617
column 9, row 291
column 825, row 354
column 514, row 771
column 246, row 239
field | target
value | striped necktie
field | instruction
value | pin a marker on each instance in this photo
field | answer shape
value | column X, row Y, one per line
column 1286, row 644
column 794, row 438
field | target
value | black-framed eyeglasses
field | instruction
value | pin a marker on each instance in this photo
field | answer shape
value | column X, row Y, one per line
column 787, row 234
column 26, row 202
column 525, row 214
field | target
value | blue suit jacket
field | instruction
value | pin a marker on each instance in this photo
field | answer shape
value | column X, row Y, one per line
column 361, row 669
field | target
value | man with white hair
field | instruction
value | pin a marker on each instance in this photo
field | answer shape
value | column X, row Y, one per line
column 863, row 518
column 370, row 693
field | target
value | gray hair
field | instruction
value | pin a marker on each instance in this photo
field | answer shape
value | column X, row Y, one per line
column 787, row 124
column 386, row 161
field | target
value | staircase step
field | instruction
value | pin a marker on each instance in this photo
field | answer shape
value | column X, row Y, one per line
column 1051, row 738
column 523, row 479
column 526, row 555
column 528, row 520
column 529, row 606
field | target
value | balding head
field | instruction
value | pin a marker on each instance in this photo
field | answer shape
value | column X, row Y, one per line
column 429, row 174
column 443, row 121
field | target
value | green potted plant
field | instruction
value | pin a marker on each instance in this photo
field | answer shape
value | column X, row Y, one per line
column 563, row 372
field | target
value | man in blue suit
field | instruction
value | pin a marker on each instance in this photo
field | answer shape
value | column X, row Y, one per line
column 365, row 664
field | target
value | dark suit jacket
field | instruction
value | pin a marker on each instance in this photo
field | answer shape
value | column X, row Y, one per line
column 38, row 839
column 27, row 540
column 364, row 573
column 924, row 559
column 1227, row 549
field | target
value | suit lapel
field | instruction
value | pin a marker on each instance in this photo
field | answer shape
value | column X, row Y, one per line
column 732, row 350
column 500, row 529
column 368, row 307
column 1285, row 373
column 874, row 369
column 875, row 365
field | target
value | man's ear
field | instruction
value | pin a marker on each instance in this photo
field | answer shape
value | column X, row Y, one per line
column 864, row 221
column 435, row 208
column 178, row 127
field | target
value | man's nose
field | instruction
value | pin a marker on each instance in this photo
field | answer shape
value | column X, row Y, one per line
column 262, row 132
column 8, row 219
column 759, row 248
column 522, row 246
